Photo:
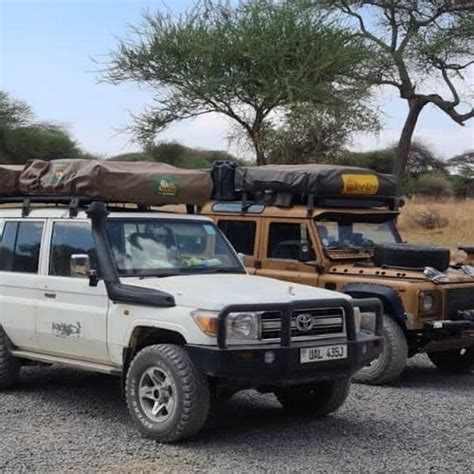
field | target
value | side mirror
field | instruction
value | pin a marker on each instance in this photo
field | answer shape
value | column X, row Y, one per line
column 242, row 258
column 305, row 253
column 80, row 266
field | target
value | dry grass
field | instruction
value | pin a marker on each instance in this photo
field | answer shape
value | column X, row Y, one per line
column 453, row 223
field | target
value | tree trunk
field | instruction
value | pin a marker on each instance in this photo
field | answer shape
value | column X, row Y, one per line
column 256, row 138
column 404, row 144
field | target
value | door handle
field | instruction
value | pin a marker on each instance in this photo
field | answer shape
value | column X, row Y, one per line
column 50, row 295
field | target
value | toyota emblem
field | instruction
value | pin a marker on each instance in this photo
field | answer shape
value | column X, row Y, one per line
column 304, row 322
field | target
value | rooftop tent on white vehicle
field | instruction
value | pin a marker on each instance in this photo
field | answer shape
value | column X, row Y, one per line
column 163, row 300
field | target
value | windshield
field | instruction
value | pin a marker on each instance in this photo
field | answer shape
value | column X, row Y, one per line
column 162, row 247
column 363, row 232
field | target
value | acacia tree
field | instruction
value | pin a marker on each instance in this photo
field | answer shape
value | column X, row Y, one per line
column 311, row 134
column 245, row 62
column 418, row 44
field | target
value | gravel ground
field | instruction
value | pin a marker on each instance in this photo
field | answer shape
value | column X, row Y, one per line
column 64, row 420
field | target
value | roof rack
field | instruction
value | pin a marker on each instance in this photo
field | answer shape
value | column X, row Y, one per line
column 74, row 203
column 311, row 202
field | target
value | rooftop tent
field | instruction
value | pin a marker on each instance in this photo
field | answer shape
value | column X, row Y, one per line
column 324, row 180
column 145, row 183
column 290, row 183
column 9, row 177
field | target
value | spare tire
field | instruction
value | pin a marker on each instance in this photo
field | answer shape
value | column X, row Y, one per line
column 412, row 256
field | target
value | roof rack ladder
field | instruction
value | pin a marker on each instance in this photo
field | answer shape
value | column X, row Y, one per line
column 74, row 207
column 26, row 208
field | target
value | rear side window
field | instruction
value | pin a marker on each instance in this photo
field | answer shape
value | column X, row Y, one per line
column 241, row 235
column 20, row 247
column 70, row 238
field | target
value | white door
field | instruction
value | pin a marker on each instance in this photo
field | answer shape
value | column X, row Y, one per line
column 20, row 282
column 72, row 315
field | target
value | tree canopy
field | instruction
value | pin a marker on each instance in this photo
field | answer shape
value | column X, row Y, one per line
column 247, row 63
column 310, row 134
column 423, row 48
column 22, row 138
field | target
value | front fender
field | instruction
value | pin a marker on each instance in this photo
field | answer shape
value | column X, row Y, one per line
column 393, row 304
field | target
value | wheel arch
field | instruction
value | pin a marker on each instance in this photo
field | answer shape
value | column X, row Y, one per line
column 143, row 336
column 392, row 303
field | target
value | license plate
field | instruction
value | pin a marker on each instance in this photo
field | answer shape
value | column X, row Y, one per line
column 319, row 354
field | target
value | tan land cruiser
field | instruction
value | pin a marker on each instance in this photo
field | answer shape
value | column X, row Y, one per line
column 340, row 233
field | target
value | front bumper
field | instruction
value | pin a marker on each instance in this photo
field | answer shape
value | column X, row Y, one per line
column 447, row 335
column 248, row 364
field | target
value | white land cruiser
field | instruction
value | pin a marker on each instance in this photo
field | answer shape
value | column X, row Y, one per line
column 164, row 301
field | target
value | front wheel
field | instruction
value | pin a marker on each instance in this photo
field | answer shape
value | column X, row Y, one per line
column 317, row 400
column 457, row 360
column 391, row 362
column 167, row 397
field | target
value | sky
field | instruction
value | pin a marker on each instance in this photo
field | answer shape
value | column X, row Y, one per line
column 47, row 53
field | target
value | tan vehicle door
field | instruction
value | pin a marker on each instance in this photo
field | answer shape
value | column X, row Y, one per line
column 243, row 233
column 280, row 250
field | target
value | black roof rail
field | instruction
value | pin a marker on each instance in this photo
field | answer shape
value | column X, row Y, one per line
column 311, row 202
column 72, row 202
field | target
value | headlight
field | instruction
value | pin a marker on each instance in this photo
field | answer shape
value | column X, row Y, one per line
column 357, row 318
column 240, row 326
column 427, row 302
column 243, row 326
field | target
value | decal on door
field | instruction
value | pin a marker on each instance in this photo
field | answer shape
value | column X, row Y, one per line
column 67, row 330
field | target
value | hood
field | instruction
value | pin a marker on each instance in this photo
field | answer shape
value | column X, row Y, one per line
column 454, row 275
column 215, row 291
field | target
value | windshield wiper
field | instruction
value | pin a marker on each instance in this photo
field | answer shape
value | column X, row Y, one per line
column 215, row 270
column 161, row 275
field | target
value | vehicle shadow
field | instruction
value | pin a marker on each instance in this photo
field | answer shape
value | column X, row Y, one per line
column 100, row 397
column 421, row 374
column 248, row 419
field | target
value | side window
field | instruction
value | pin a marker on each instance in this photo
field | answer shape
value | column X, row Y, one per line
column 20, row 247
column 241, row 235
column 285, row 241
column 70, row 238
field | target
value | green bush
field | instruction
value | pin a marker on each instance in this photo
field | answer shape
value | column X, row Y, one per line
column 177, row 155
column 37, row 143
column 377, row 160
column 430, row 184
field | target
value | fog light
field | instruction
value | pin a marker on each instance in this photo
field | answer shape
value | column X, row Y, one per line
column 269, row 357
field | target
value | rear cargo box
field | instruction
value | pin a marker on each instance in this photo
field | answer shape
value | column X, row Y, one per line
column 131, row 182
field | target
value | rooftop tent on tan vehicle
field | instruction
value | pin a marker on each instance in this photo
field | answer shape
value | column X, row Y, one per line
column 162, row 300
column 336, row 228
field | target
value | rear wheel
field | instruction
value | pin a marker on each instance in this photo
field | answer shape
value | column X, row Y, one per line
column 458, row 360
column 9, row 365
column 391, row 362
column 167, row 397
column 317, row 400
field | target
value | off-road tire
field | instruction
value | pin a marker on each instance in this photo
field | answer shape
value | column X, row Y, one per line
column 388, row 367
column 455, row 361
column 192, row 393
column 316, row 400
column 9, row 365
column 412, row 256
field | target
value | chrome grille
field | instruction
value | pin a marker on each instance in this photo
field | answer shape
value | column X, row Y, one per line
column 326, row 322
column 459, row 299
